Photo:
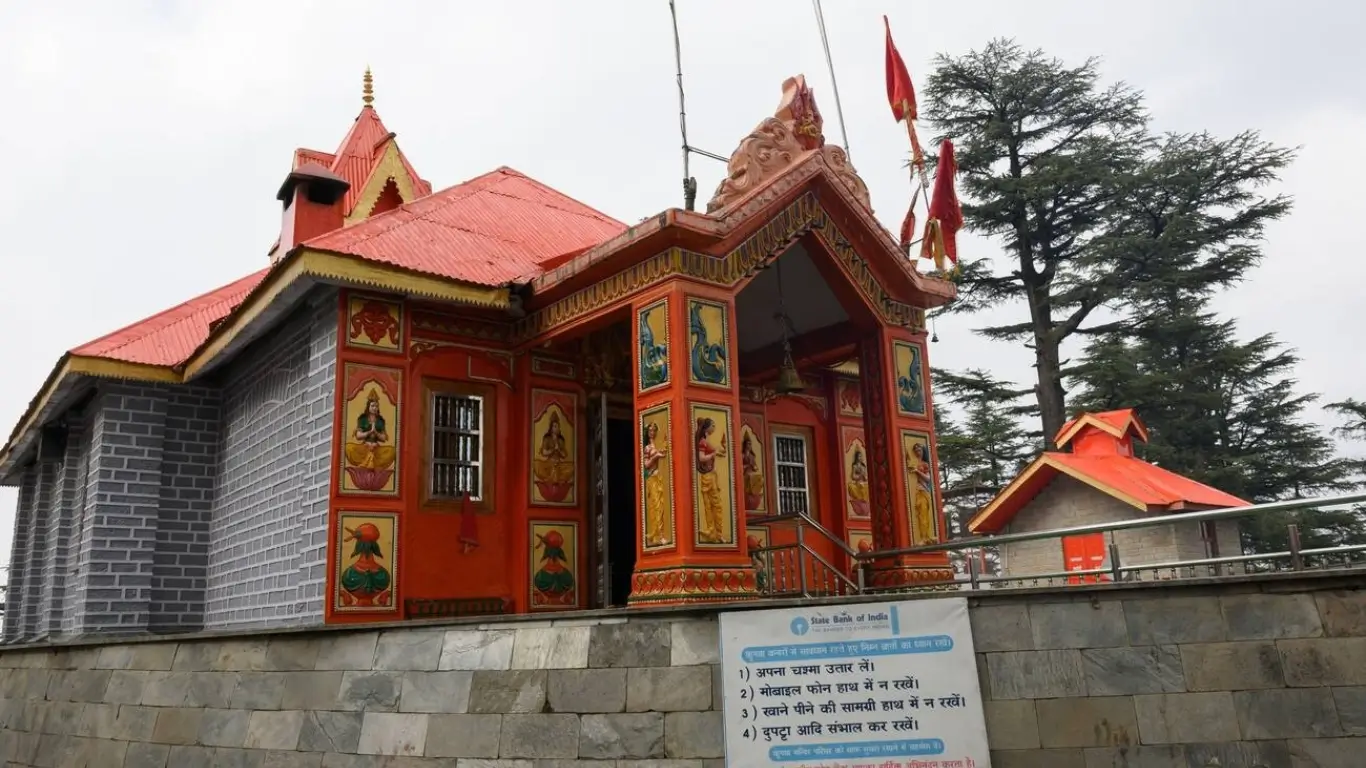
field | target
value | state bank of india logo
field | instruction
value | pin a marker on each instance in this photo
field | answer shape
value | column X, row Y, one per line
column 800, row 626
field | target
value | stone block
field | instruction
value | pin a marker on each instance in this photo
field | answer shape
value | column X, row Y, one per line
column 1232, row 666
column 311, row 690
column 245, row 655
column 63, row 717
column 224, row 727
column 125, row 687
column 145, row 656
column 1342, row 612
column 1186, row 718
column 279, row 759
column 634, row 644
column 1012, row 724
column 1036, row 674
column 1165, row 620
column 1001, row 627
column 370, row 691
column 476, row 649
column 1077, row 624
column 97, row 721
column 477, row 763
column 134, row 723
column 551, row 648
column 258, row 690
column 274, row 730
column 1104, row 721
column 190, row 757
column 177, row 726
column 330, row 731
column 437, row 692
column 1324, row 661
column 1270, row 616
column 1231, row 754
column 665, row 763
column 586, row 690
column 1325, row 753
column 165, row 689
column 463, row 735
column 195, row 657
column 209, row 689
column 718, row 688
column 694, row 641
column 621, row 736
column 669, row 689
column 1037, row 758
column 1130, row 670
column 334, row 760
column 512, row 691
column 78, row 685
column 387, row 733
column 1287, row 713
column 694, row 734
column 1351, row 706
column 103, row 753
column 347, row 651
column 408, row 650
column 1155, row 756
column 539, row 736
column 146, row 755
column 291, row 654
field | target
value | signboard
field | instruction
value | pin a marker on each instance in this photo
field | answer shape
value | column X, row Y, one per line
column 873, row 685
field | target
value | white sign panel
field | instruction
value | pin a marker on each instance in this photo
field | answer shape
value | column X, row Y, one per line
column 873, row 685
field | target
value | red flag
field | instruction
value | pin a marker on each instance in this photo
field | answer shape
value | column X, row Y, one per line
column 900, row 92
column 946, row 215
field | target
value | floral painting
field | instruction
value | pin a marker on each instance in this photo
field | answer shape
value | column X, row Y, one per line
column 753, row 483
column 855, row 452
column 656, row 479
column 367, row 562
column 652, row 338
column 908, row 363
column 713, row 481
column 849, row 398
column 373, row 323
column 370, row 423
column 708, row 337
column 554, row 452
column 915, row 452
column 554, row 565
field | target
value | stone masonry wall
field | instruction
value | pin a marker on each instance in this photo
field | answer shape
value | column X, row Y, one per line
column 1264, row 672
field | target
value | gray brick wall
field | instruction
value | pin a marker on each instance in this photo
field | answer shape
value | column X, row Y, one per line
column 56, row 535
column 17, row 594
column 75, row 471
column 189, row 463
column 266, row 563
column 39, row 501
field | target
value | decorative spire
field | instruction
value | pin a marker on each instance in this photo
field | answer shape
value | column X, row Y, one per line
column 368, row 91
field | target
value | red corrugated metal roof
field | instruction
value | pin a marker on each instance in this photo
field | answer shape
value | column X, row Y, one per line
column 170, row 337
column 1118, row 422
column 490, row 230
column 361, row 150
column 1148, row 483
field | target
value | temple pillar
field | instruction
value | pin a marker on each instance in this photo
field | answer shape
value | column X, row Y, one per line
column 903, row 492
column 690, row 547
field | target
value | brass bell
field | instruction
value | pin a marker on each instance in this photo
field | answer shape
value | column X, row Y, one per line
column 789, row 381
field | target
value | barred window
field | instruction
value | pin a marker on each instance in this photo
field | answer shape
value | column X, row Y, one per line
column 790, row 462
column 457, row 447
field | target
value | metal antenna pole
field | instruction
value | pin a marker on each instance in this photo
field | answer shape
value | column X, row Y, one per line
column 689, row 183
column 830, row 63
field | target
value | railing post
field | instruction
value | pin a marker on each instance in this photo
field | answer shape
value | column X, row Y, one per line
column 1296, row 560
column 1115, row 573
column 801, row 557
column 858, row 571
column 972, row 571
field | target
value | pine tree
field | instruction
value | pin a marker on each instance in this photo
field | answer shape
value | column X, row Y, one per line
column 1087, row 203
column 1224, row 412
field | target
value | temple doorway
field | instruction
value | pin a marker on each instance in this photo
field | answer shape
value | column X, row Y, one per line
column 620, row 509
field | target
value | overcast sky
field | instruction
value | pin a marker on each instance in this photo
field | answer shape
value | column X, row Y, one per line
column 144, row 140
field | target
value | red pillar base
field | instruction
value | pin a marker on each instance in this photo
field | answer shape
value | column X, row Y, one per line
column 904, row 572
column 684, row 584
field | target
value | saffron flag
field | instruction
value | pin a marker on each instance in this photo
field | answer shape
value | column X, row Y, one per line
column 946, row 215
column 900, row 92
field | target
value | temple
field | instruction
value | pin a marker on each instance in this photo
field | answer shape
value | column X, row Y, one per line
column 491, row 398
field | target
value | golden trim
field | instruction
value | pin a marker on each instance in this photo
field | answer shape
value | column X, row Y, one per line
column 390, row 166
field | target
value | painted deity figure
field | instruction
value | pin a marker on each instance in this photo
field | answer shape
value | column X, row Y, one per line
column 368, row 448
column 553, row 581
column 366, row 582
column 910, row 389
column 554, row 465
column 709, row 528
column 922, row 496
column 754, row 475
column 654, row 357
column 708, row 357
column 857, row 485
column 652, row 458
column 757, row 559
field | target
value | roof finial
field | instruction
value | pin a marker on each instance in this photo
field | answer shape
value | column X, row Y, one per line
column 368, row 91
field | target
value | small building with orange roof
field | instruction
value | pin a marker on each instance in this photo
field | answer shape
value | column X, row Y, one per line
column 1094, row 477
column 490, row 398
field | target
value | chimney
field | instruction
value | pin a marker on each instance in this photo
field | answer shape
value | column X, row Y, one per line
column 312, row 196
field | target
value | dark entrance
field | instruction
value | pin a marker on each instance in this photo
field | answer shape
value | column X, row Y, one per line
column 621, row 508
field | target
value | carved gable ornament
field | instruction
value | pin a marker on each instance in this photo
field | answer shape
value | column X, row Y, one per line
column 779, row 142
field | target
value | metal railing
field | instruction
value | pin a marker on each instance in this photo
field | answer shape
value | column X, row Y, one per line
column 798, row 569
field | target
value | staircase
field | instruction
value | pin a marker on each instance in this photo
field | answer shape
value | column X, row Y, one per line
column 796, row 567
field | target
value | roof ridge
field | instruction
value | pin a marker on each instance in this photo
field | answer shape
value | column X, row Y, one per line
column 548, row 188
